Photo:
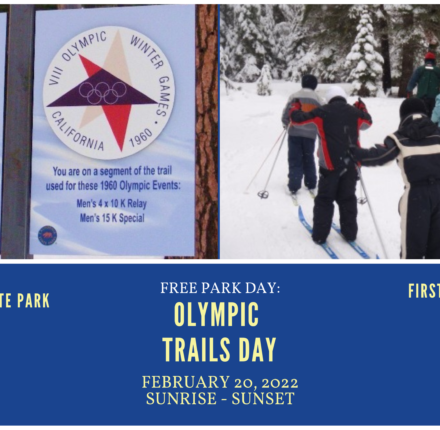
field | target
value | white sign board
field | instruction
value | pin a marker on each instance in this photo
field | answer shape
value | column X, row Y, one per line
column 114, row 132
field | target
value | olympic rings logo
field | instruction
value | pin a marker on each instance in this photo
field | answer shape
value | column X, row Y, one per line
column 102, row 91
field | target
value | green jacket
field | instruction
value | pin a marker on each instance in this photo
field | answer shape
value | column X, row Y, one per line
column 427, row 79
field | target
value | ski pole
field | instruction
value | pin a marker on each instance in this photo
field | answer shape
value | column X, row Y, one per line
column 262, row 164
column 264, row 194
column 362, row 200
column 371, row 211
column 366, row 194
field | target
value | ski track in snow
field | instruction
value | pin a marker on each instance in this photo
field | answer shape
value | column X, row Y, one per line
column 252, row 228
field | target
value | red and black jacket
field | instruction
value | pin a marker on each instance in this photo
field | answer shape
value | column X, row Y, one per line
column 416, row 145
column 338, row 125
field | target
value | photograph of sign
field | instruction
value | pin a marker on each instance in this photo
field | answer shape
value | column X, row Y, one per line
column 114, row 132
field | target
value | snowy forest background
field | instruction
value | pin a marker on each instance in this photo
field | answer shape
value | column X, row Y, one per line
column 337, row 43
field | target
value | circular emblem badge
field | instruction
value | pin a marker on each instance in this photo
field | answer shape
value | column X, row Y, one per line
column 47, row 235
column 108, row 93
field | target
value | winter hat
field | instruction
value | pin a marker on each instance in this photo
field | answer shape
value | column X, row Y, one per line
column 430, row 56
column 335, row 91
column 411, row 106
column 309, row 81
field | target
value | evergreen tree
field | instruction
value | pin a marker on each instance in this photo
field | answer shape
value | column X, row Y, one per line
column 250, row 51
column 289, row 34
column 412, row 27
column 363, row 60
column 228, row 36
column 223, row 61
column 263, row 82
column 297, row 47
column 297, row 39
column 267, row 24
column 383, row 25
column 330, row 31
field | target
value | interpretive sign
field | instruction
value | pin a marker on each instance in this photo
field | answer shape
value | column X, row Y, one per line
column 114, row 132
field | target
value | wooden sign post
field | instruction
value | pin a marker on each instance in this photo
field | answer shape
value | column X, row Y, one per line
column 18, row 130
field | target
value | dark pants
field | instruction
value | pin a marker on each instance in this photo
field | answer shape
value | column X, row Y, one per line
column 429, row 103
column 336, row 186
column 301, row 163
column 420, row 221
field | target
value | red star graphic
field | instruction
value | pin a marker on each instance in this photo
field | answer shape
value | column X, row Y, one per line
column 117, row 115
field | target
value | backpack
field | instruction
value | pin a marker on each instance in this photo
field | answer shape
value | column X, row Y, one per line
column 429, row 82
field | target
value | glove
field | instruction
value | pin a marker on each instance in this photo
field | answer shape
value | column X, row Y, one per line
column 355, row 154
column 296, row 105
column 360, row 105
column 409, row 94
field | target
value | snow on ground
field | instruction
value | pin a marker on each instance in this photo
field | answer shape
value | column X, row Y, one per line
column 251, row 228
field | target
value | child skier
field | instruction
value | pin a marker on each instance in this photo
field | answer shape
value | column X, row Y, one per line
column 416, row 145
column 302, row 140
column 338, row 125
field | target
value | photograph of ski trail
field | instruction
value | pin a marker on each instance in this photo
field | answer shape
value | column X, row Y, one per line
column 265, row 50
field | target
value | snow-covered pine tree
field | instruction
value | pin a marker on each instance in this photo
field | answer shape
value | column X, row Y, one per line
column 250, row 71
column 263, row 82
column 223, row 67
column 277, row 25
column 250, row 52
column 296, row 45
column 412, row 25
column 329, row 33
column 363, row 61
column 296, row 39
column 267, row 24
column 228, row 36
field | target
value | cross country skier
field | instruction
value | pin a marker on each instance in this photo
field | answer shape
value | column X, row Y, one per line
column 416, row 145
column 301, row 149
column 427, row 79
column 338, row 125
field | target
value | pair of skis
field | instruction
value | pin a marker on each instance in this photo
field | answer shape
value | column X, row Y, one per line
column 325, row 246
column 308, row 227
column 295, row 197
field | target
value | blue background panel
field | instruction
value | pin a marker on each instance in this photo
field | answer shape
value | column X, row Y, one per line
column 362, row 351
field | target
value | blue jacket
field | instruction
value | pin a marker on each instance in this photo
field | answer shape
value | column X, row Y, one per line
column 435, row 118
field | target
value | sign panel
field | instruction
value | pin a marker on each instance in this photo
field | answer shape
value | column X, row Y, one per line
column 220, row 344
column 114, row 132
